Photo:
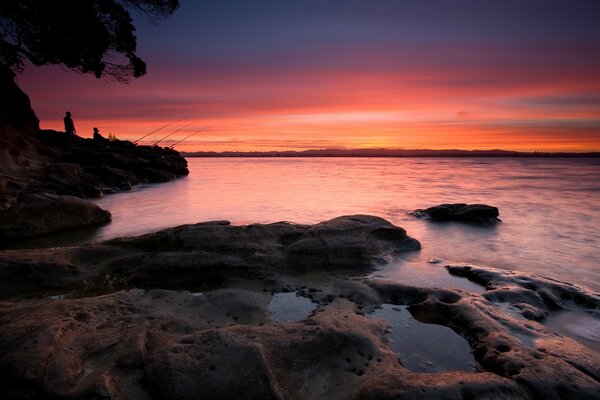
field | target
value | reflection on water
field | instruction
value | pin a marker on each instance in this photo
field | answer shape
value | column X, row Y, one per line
column 425, row 347
column 550, row 207
column 425, row 274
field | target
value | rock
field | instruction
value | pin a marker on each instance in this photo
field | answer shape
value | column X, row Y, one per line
column 64, row 179
column 471, row 213
column 39, row 214
column 211, row 254
column 18, row 124
column 533, row 295
column 119, row 325
column 15, row 107
column 48, row 163
column 112, row 180
column 348, row 242
column 105, row 163
column 541, row 363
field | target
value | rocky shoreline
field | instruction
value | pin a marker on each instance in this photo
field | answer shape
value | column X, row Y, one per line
column 187, row 313
column 49, row 195
column 45, row 176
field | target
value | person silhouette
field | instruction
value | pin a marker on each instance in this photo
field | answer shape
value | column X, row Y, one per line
column 69, row 125
column 98, row 138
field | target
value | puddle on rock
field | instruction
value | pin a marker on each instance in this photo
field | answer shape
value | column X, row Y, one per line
column 578, row 325
column 290, row 307
column 426, row 274
column 425, row 347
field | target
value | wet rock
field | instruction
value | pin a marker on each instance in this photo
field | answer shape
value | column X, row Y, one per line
column 471, row 213
column 157, row 345
column 163, row 342
column 42, row 213
column 532, row 294
column 112, row 180
column 545, row 366
column 211, row 254
column 349, row 242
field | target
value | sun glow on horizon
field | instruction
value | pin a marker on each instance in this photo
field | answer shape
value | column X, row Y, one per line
column 524, row 94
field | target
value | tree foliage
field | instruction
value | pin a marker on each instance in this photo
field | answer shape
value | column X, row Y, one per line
column 88, row 36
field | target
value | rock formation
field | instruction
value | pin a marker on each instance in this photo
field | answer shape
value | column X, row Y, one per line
column 480, row 214
column 40, row 167
column 110, row 320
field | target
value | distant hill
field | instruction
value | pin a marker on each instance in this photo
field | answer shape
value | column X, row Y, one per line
column 386, row 153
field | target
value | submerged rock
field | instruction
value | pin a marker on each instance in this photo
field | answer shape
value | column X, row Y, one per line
column 471, row 213
column 100, row 341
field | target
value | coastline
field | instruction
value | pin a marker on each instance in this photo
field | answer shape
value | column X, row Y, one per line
column 192, row 311
column 277, row 310
column 187, row 312
column 51, row 194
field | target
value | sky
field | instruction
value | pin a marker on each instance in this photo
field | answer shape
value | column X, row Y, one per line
column 294, row 75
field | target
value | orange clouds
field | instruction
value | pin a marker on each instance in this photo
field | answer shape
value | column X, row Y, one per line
column 272, row 108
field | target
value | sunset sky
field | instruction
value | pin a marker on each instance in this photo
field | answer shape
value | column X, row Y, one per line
column 294, row 75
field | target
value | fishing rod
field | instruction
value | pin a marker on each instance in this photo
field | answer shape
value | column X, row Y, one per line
column 189, row 136
column 175, row 131
column 156, row 130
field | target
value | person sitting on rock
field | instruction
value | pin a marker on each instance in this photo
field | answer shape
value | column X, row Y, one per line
column 98, row 138
column 69, row 125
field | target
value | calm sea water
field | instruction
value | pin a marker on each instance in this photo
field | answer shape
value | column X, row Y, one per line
column 550, row 207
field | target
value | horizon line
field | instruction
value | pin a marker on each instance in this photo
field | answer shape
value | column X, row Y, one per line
column 388, row 152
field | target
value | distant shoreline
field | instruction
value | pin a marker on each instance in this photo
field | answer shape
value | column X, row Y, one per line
column 379, row 153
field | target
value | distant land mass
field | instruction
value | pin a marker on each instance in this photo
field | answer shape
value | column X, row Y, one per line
column 387, row 153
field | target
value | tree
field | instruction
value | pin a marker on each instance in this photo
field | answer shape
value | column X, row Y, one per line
column 88, row 36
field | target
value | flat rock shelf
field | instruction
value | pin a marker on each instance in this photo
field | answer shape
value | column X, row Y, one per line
column 282, row 311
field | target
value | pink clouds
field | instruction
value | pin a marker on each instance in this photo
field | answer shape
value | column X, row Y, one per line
column 437, row 98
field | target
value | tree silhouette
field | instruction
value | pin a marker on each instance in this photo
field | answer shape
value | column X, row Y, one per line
column 88, row 36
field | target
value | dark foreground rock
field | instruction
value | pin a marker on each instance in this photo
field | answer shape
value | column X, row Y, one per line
column 43, row 180
column 118, row 325
column 35, row 165
column 42, row 213
column 209, row 253
column 480, row 214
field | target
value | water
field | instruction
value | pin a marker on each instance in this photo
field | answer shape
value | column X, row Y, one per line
column 425, row 347
column 290, row 307
column 425, row 274
column 577, row 325
column 550, row 207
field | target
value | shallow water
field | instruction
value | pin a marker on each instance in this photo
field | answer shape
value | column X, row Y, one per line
column 550, row 207
column 290, row 307
column 425, row 347
column 425, row 274
column 577, row 325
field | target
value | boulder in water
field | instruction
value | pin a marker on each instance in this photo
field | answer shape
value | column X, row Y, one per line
column 481, row 214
